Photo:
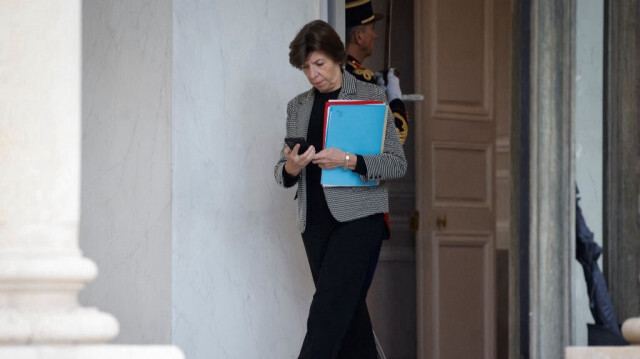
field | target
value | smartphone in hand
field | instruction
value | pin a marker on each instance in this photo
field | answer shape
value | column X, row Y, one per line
column 292, row 141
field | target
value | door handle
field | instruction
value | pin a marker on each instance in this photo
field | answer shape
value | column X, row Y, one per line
column 441, row 221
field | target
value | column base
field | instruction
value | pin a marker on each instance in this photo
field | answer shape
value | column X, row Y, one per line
column 91, row 352
column 627, row 352
column 72, row 326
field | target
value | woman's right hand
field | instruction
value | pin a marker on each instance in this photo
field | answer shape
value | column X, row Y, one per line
column 296, row 162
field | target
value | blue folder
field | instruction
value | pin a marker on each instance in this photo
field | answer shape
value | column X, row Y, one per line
column 356, row 127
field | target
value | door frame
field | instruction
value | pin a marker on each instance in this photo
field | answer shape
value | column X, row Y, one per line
column 332, row 11
column 424, row 315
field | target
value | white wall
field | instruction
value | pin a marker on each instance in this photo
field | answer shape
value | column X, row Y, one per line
column 183, row 113
column 126, row 163
column 241, row 284
column 588, row 132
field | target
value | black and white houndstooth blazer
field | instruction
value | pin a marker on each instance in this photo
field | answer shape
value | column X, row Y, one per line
column 347, row 203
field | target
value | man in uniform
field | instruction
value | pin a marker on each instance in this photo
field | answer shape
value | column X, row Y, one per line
column 360, row 37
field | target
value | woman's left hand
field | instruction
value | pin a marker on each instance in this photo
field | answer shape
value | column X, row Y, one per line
column 329, row 158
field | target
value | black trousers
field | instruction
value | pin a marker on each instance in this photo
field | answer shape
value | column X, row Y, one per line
column 342, row 258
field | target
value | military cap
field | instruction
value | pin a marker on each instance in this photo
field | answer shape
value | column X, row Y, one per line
column 359, row 12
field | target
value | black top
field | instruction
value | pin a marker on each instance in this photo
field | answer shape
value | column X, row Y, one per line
column 317, row 208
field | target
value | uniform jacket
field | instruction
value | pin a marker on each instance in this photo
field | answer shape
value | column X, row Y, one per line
column 347, row 203
column 400, row 114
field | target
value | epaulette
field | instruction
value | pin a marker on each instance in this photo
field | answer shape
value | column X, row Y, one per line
column 361, row 73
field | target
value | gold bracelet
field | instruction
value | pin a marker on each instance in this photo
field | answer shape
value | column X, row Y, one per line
column 346, row 161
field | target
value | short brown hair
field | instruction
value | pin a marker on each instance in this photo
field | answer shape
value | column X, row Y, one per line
column 316, row 36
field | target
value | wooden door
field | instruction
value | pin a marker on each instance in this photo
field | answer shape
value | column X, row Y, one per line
column 456, row 68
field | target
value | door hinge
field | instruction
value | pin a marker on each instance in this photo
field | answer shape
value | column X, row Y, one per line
column 414, row 221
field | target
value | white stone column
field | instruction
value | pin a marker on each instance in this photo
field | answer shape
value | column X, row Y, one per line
column 41, row 266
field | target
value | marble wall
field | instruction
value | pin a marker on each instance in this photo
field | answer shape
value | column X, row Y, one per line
column 126, row 163
column 183, row 118
column 241, row 284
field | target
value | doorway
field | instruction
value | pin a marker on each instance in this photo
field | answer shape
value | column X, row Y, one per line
column 455, row 264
